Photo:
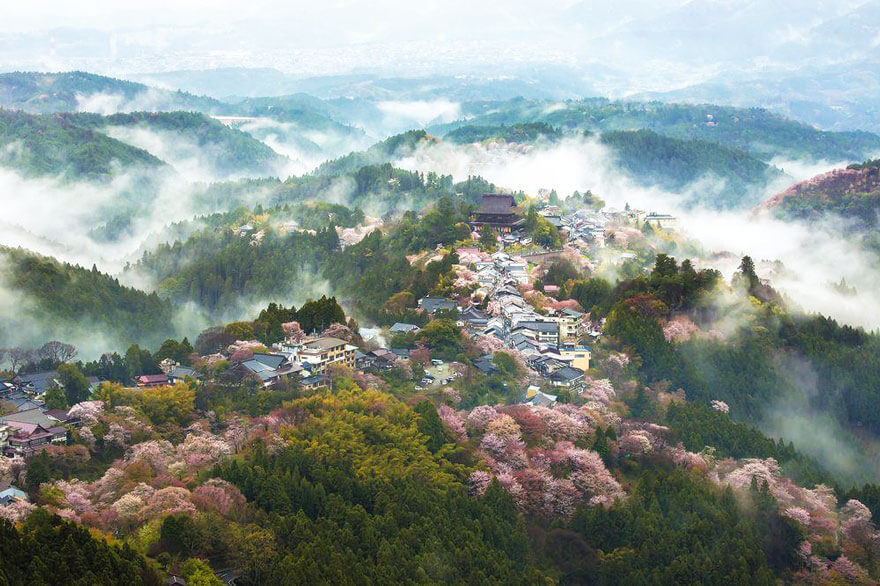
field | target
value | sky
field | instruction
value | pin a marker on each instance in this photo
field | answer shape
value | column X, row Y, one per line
column 337, row 36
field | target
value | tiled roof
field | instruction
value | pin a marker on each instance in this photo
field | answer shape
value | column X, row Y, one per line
column 497, row 204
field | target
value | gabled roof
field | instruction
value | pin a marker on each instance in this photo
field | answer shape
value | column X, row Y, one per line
column 566, row 374
column 472, row 314
column 432, row 304
column 486, row 365
column 542, row 399
column 183, row 371
column 496, row 203
column 539, row 326
column 24, row 404
column 256, row 366
column 383, row 354
column 270, row 360
column 27, row 417
column 41, row 381
column 57, row 414
column 401, row 327
column 152, row 378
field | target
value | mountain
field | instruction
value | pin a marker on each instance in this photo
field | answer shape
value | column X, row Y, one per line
column 757, row 131
column 529, row 132
column 77, row 90
column 672, row 163
column 852, row 193
column 48, row 300
column 57, row 145
column 177, row 136
column 380, row 153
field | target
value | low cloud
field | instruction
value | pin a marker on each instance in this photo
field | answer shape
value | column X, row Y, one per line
column 423, row 112
column 815, row 253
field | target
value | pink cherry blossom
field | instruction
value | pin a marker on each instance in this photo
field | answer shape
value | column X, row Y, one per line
column 679, row 329
column 172, row 500
column 87, row 411
column 478, row 482
column 453, row 421
column 337, row 330
column 220, row 496
column 479, row 418
column 600, row 390
column 16, row 511
column 293, row 332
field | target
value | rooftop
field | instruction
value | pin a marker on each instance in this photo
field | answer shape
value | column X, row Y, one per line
column 496, row 203
column 324, row 343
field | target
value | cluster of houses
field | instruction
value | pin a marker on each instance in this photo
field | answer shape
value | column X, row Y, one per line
column 29, row 425
column 308, row 359
column 584, row 228
column 551, row 342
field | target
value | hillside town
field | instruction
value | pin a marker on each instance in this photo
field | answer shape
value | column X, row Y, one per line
column 499, row 308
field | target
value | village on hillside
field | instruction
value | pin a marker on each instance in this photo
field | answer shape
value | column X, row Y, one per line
column 507, row 308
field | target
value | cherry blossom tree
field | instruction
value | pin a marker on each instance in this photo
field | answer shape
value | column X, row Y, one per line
column 241, row 355
column 479, row 418
column 172, row 500
column 16, row 511
column 337, row 330
column 293, row 333
column 453, row 421
column 87, row 411
column 420, row 355
column 220, row 496
column 488, row 344
column 615, row 365
column 478, row 482
column 679, row 329
column 199, row 451
column 600, row 390
column 452, row 395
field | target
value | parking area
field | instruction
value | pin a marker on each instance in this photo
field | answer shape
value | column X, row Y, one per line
column 441, row 374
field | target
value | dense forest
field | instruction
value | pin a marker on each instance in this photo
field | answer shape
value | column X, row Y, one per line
column 229, row 151
column 673, row 164
column 852, row 193
column 48, row 550
column 754, row 130
column 528, row 132
column 61, row 299
column 55, row 145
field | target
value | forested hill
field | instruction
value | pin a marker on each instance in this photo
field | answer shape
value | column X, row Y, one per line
column 853, row 193
column 755, row 130
column 673, row 163
column 54, row 144
column 70, row 91
column 63, row 301
column 226, row 150
column 386, row 151
column 528, row 132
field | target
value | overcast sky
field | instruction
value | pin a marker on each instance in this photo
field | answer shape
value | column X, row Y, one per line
column 336, row 36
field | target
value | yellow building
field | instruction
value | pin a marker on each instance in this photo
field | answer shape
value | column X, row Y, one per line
column 578, row 356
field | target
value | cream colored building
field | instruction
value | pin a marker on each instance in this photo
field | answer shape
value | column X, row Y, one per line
column 315, row 355
column 578, row 356
column 571, row 325
column 662, row 221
